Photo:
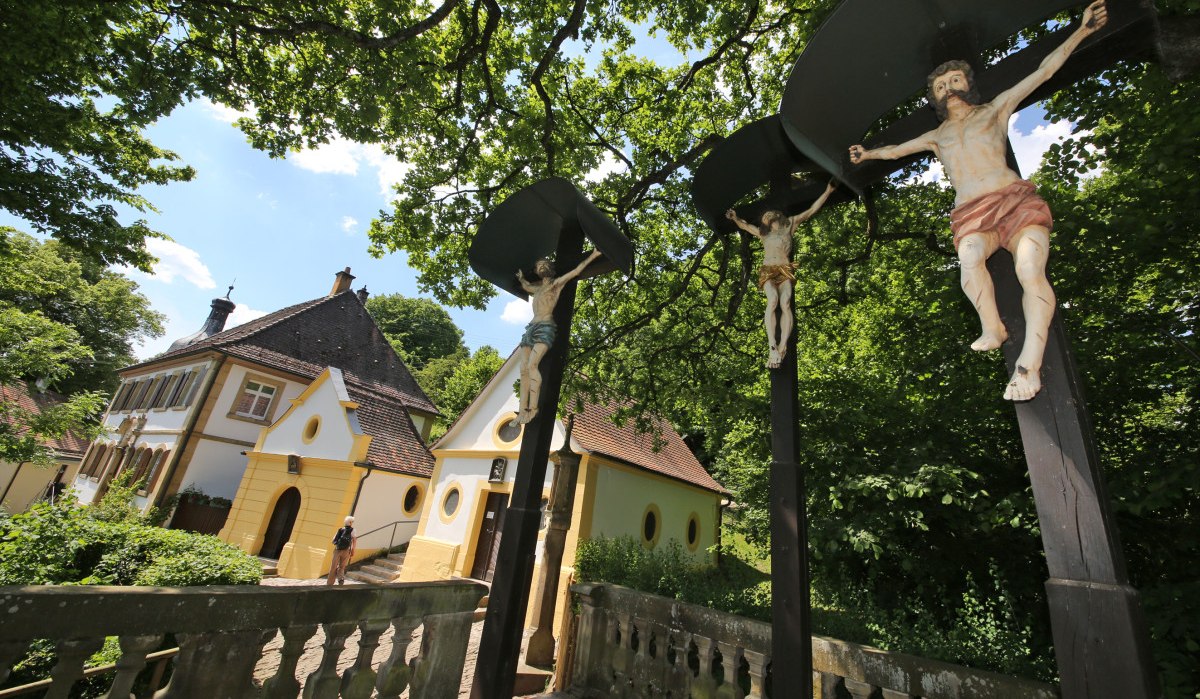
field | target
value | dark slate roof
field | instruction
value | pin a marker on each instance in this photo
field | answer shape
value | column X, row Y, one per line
column 305, row 338
column 596, row 432
column 70, row 444
column 395, row 443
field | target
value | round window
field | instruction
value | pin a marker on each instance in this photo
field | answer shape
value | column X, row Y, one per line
column 510, row 430
column 450, row 503
column 412, row 498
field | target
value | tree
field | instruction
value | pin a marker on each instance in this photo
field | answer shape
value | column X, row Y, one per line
column 79, row 303
column 66, row 324
column 81, row 80
column 453, row 381
column 419, row 329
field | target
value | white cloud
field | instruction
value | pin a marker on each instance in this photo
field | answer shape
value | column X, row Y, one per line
column 1030, row 147
column 242, row 314
column 517, row 312
column 343, row 157
column 609, row 164
column 348, row 224
column 339, row 157
column 175, row 260
column 222, row 113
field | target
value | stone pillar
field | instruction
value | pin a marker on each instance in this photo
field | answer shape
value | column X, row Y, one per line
column 562, row 500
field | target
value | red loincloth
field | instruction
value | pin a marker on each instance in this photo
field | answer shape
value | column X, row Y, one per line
column 1005, row 211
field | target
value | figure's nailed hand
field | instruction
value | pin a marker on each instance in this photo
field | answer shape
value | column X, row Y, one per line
column 731, row 215
column 856, row 153
column 831, row 186
column 1096, row 15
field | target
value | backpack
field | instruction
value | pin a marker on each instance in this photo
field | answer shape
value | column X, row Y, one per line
column 342, row 539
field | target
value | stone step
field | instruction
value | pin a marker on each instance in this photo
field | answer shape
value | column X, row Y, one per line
column 368, row 578
column 530, row 680
column 378, row 571
column 389, row 563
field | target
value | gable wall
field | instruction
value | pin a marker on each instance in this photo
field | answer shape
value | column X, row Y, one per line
column 335, row 435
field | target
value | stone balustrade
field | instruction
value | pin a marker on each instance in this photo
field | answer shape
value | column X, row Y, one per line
column 221, row 631
column 631, row 644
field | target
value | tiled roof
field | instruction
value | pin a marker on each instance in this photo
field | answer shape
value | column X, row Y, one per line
column 305, row 338
column 395, row 444
column 595, row 431
column 69, row 444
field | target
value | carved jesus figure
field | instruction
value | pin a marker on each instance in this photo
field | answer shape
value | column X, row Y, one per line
column 994, row 207
column 539, row 334
column 777, row 274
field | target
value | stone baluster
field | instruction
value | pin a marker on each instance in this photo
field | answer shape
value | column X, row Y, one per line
column 324, row 682
column 705, row 685
column 860, row 690
column 731, row 663
column 640, row 673
column 758, row 674
column 678, row 676
column 283, row 684
column 133, row 658
column 622, row 656
column 826, row 685
column 437, row 669
column 235, row 653
column 359, row 679
column 72, row 653
column 10, row 652
column 394, row 674
column 656, row 658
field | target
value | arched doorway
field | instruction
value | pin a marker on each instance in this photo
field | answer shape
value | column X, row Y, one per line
column 279, row 530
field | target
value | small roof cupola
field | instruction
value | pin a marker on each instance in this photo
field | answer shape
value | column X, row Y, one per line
column 221, row 308
column 342, row 282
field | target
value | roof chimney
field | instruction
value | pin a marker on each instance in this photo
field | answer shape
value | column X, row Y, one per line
column 221, row 308
column 362, row 295
column 342, row 283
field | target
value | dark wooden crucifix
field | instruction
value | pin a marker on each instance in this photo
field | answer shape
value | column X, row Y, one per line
column 884, row 51
column 547, row 217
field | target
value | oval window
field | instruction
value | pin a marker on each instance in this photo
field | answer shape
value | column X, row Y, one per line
column 693, row 532
column 649, row 526
column 450, row 503
column 412, row 498
column 311, row 428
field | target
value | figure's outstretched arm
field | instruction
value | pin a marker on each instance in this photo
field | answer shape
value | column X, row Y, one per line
column 530, row 288
column 923, row 142
column 748, row 227
column 816, row 206
column 578, row 269
column 1094, row 17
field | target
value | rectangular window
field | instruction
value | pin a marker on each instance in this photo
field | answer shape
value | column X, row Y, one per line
column 122, row 394
column 138, row 394
column 255, row 400
column 168, row 391
column 156, row 385
column 190, row 394
column 181, row 391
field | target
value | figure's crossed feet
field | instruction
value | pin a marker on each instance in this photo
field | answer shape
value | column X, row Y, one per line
column 526, row 416
column 990, row 340
column 775, row 357
column 1024, row 384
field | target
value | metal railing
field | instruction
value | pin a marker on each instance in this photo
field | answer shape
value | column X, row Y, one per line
column 392, row 537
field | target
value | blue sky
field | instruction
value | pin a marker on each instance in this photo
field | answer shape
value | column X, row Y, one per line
column 278, row 230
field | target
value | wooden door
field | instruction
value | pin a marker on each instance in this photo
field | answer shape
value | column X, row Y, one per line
column 283, row 518
column 488, row 541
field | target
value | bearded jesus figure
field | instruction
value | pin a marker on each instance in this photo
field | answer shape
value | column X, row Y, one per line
column 994, row 207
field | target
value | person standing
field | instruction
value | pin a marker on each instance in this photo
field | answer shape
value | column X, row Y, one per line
column 344, row 542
